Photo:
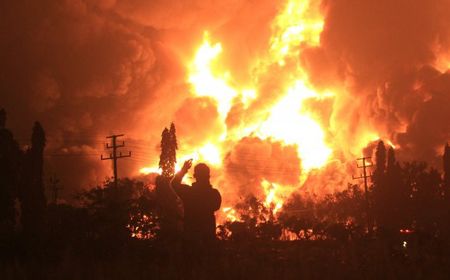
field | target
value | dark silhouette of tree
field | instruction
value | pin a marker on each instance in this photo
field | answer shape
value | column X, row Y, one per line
column 9, row 160
column 168, row 157
column 395, row 195
column 379, row 173
column 114, row 215
column 170, row 209
column 380, row 158
column 444, row 225
column 342, row 214
column 446, row 167
column 32, row 194
column 299, row 217
column 255, row 221
column 425, row 195
column 379, row 186
column 391, row 161
column 173, row 139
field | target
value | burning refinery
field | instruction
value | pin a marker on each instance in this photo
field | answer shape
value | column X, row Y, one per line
column 287, row 92
column 225, row 139
column 272, row 132
column 276, row 97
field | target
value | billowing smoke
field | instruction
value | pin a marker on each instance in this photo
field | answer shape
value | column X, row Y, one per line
column 84, row 72
column 383, row 54
column 87, row 69
column 252, row 160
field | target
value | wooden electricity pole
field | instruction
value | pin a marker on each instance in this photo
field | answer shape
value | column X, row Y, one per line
column 113, row 155
column 364, row 176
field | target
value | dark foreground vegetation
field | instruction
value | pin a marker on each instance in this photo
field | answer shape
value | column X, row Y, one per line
column 399, row 228
column 114, row 233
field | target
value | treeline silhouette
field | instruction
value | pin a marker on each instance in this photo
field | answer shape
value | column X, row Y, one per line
column 21, row 183
column 404, row 199
column 115, row 232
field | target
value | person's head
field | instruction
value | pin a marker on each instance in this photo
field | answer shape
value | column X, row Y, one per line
column 201, row 172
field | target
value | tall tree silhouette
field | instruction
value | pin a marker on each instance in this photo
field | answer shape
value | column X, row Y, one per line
column 395, row 195
column 379, row 173
column 445, row 211
column 424, row 184
column 379, row 185
column 173, row 141
column 168, row 157
column 380, row 155
column 446, row 165
column 9, row 159
column 33, row 200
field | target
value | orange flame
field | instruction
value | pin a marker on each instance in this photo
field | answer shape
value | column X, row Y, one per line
column 288, row 120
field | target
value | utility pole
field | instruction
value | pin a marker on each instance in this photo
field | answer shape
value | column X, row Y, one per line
column 364, row 176
column 55, row 188
column 114, row 156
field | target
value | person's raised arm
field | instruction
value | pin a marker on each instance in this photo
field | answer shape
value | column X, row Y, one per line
column 176, row 181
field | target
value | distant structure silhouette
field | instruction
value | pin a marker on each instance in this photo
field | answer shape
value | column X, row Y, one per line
column 200, row 201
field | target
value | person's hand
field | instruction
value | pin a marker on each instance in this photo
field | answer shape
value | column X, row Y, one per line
column 187, row 164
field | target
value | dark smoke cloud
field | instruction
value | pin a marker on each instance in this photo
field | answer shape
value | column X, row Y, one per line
column 86, row 69
column 81, row 71
column 381, row 54
column 430, row 126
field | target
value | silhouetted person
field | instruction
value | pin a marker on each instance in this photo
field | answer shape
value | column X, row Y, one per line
column 200, row 202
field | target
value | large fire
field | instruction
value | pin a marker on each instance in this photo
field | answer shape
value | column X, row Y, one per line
column 287, row 119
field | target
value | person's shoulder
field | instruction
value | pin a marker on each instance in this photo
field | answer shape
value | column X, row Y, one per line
column 215, row 191
column 183, row 188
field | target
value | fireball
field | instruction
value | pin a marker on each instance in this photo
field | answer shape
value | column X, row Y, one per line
column 287, row 119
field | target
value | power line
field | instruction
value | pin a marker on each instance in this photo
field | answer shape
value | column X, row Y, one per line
column 72, row 155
